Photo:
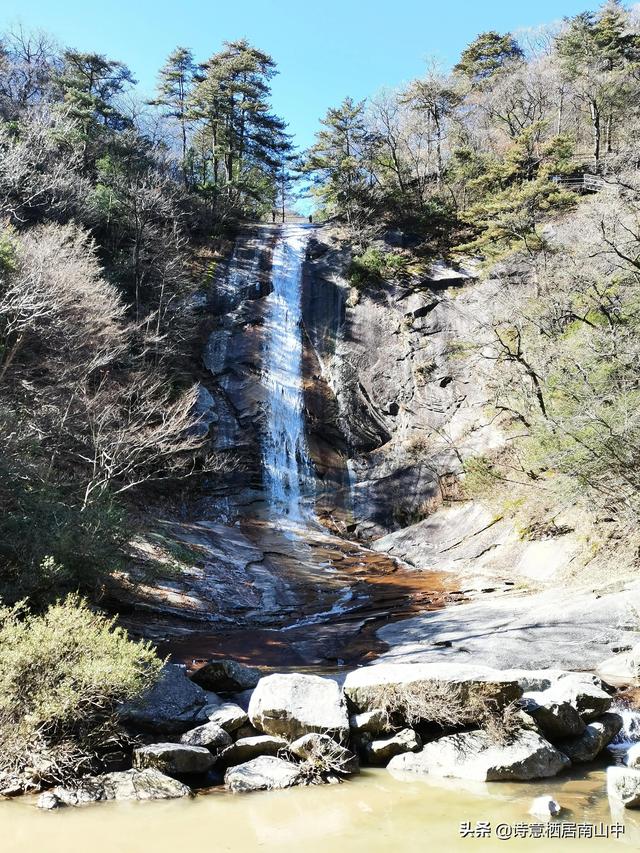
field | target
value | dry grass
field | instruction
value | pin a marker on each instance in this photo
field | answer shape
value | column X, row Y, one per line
column 449, row 707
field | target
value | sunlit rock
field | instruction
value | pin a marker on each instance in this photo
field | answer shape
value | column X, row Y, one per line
column 474, row 755
column 293, row 705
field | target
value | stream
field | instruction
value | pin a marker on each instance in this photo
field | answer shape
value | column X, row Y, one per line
column 373, row 813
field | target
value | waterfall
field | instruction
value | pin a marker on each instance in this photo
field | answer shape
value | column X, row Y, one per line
column 286, row 463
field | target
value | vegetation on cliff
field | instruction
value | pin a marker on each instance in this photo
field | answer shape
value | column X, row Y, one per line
column 491, row 160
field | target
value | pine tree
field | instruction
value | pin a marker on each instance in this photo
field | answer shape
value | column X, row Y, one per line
column 336, row 159
column 487, row 54
column 601, row 57
column 247, row 141
column 175, row 84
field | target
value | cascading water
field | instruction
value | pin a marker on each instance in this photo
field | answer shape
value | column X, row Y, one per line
column 286, row 463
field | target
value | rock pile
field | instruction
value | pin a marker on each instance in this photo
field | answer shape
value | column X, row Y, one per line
column 417, row 719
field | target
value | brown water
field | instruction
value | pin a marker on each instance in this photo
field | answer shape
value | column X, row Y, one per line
column 374, row 813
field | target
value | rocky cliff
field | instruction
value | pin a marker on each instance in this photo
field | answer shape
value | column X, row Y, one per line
column 392, row 391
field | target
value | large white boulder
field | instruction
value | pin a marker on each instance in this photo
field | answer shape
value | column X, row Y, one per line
column 474, row 755
column 293, row 705
column 365, row 687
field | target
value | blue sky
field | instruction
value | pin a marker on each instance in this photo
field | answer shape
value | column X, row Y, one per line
column 324, row 50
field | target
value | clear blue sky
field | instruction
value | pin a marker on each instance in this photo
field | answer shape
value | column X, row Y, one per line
column 324, row 50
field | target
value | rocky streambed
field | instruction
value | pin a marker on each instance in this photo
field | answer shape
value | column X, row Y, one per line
column 228, row 726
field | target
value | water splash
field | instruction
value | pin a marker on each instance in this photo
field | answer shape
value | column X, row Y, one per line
column 287, row 466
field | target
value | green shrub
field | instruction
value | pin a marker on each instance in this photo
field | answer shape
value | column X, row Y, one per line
column 42, row 529
column 62, row 675
column 480, row 476
column 374, row 265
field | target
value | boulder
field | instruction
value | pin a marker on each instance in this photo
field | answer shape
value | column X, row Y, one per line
column 323, row 750
column 243, row 699
column 265, row 773
column 174, row 704
column 474, row 755
column 48, row 800
column 226, row 676
column 545, row 807
column 147, row 784
column 555, row 719
column 632, row 758
column 623, row 787
column 294, row 705
column 175, row 759
column 475, row 685
column 245, row 731
column 589, row 700
column 210, row 736
column 229, row 716
column 621, row 669
column 376, row 722
column 535, row 679
column 247, row 748
column 596, row 736
column 382, row 751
